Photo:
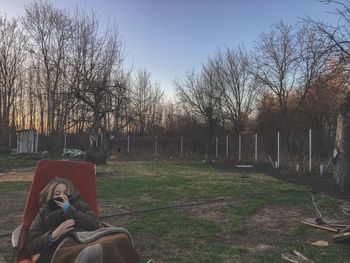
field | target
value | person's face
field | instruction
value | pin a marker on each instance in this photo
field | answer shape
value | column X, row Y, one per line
column 60, row 190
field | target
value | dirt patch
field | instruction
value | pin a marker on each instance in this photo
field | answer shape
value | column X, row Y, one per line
column 317, row 184
column 22, row 174
column 212, row 211
column 275, row 218
column 270, row 223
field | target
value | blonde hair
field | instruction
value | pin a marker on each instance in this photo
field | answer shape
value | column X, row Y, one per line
column 47, row 193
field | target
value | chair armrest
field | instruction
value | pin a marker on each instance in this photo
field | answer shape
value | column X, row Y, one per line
column 15, row 236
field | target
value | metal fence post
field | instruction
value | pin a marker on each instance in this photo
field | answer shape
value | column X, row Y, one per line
column 156, row 146
column 227, row 147
column 216, row 147
column 181, row 147
column 278, row 149
column 310, row 150
column 239, row 147
column 128, row 146
column 256, row 147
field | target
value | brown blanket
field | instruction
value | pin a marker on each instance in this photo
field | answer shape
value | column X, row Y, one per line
column 116, row 248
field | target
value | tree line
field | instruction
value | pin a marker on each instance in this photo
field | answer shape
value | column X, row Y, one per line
column 61, row 72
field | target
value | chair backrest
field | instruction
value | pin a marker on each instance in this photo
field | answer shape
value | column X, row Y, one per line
column 82, row 174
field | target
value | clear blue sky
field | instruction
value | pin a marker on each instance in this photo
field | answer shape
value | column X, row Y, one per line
column 171, row 37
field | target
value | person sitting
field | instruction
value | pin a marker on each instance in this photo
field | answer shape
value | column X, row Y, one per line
column 64, row 220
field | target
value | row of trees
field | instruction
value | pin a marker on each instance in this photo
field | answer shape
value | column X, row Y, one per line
column 59, row 72
column 291, row 81
column 295, row 79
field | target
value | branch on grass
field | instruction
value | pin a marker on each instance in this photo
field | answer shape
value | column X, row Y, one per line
column 296, row 258
column 316, row 208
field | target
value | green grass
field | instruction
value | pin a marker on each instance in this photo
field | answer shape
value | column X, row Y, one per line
column 172, row 235
column 15, row 161
column 7, row 188
column 216, row 232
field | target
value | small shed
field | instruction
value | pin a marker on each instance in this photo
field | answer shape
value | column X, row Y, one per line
column 27, row 141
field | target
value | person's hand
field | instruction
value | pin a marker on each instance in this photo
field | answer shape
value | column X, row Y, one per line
column 63, row 228
column 65, row 200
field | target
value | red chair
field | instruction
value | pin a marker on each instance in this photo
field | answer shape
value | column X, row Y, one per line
column 82, row 174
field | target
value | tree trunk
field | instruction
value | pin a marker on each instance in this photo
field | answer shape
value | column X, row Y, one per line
column 341, row 156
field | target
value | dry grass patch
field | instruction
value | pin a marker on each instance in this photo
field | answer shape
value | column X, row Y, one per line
column 275, row 219
column 269, row 224
column 212, row 211
column 21, row 174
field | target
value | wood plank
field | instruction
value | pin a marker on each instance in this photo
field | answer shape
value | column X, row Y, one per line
column 332, row 229
column 341, row 236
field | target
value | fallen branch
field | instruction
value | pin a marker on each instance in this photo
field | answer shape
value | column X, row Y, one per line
column 319, row 226
column 345, row 212
column 296, row 258
column 316, row 208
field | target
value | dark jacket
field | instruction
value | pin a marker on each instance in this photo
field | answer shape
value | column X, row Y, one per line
column 47, row 221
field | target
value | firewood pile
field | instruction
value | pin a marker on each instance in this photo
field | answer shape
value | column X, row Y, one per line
column 339, row 229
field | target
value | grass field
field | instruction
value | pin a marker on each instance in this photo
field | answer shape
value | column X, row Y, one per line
column 246, row 216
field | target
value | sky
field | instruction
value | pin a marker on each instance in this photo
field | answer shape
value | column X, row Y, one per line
column 171, row 37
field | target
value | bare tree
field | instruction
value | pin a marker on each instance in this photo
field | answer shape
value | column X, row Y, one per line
column 200, row 97
column 276, row 67
column 233, row 70
column 50, row 30
column 146, row 101
column 96, row 68
column 313, row 60
column 12, row 59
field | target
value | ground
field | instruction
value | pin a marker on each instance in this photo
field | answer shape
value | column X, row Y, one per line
column 245, row 216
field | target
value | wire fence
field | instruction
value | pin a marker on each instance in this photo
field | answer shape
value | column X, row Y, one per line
column 302, row 151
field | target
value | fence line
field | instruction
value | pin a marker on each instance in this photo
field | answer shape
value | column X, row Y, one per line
column 309, row 149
